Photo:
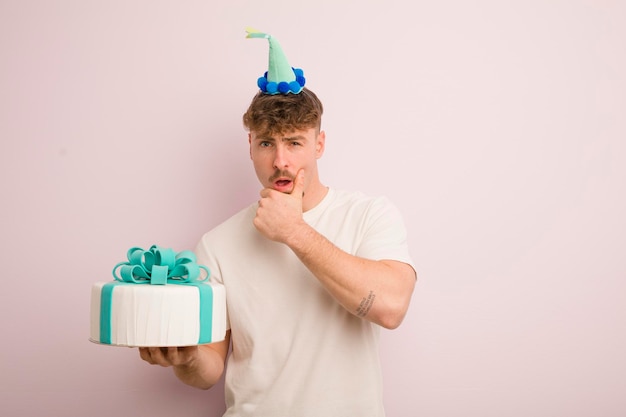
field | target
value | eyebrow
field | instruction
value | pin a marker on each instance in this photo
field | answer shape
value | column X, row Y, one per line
column 285, row 139
column 298, row 137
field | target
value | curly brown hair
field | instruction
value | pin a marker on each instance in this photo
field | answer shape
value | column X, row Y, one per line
column 278, row 114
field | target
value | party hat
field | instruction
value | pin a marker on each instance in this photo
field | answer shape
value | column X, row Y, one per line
column 280, row 77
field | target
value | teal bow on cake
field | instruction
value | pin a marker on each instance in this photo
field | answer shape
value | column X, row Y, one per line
column 159, row 266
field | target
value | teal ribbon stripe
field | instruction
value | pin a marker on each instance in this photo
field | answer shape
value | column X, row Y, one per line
column 158, row 266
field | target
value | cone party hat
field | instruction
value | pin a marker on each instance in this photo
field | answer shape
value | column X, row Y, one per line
column 280, row 78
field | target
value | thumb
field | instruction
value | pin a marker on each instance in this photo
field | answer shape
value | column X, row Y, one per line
column 298, row 184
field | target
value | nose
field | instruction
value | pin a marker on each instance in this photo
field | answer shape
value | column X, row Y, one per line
column 280, row 158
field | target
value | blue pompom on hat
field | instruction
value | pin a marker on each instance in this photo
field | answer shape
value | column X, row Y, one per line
column 280, row 77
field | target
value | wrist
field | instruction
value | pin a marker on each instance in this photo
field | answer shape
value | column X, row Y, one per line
column 300, row 236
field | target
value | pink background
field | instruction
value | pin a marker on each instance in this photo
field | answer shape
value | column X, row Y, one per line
column 499, row 130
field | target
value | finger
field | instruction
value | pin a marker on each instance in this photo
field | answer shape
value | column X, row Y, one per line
column 298, row 184
column 149, row 355
column 144, row 353
column 158, row 357
column 169, row 354
column 186, row 354
column 176, row 355
column 266, row 192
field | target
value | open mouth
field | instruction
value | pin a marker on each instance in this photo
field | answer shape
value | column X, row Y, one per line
column 282, row 181
column 283, row 185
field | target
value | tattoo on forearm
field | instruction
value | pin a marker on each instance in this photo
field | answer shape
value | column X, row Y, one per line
column 366, row 304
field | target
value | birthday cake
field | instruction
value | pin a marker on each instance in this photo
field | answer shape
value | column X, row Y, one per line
column 158, row 298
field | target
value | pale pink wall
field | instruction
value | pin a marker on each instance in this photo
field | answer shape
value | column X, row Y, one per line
column 499, row 131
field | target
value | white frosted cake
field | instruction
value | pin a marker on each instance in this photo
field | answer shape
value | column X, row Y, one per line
column 147, row 307
column 158, row 315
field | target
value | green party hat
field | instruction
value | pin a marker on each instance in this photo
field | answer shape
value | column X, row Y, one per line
column 280, row 78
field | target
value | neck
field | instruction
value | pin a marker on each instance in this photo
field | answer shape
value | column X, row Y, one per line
column 314, row 194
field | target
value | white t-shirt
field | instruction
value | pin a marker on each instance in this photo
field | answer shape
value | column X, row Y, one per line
column 296, row 351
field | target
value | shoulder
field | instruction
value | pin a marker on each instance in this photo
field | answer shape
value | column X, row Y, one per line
column 232, row 228
column 357, row 200
column 373, row 214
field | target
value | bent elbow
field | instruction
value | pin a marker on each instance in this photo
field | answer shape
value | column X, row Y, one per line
column 397, row 304
column 393, row 318
column 392, row 323
column 393, row 315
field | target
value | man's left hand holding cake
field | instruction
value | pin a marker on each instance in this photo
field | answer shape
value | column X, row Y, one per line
column 162, row 302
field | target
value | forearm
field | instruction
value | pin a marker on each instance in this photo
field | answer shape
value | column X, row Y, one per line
column 378, row 291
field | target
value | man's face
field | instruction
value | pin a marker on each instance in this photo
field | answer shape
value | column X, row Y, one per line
column 277, row 159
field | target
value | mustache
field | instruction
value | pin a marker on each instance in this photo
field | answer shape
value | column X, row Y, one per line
column 281, row 173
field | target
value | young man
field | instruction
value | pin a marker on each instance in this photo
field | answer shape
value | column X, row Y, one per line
column 311, row 273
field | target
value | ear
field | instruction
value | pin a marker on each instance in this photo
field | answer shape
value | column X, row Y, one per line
column 320, row 144
column 250, row 144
